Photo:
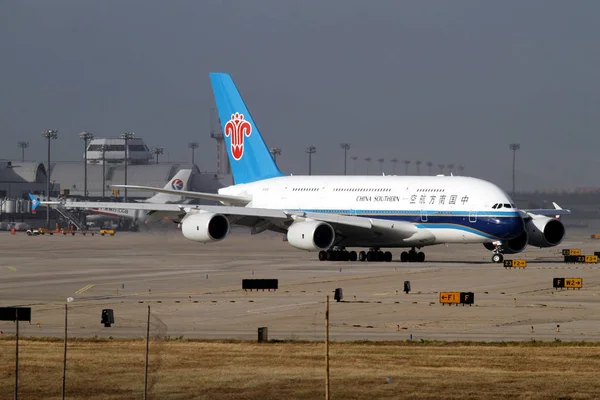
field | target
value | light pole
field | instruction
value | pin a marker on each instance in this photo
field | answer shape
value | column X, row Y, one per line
column 23, row 146
column 310, row 150
column 354, row 158
column 103, row 150
column 85, row 136
column 394, row 162
column 193, row 146
column 346, row 147
column 156, row 151
column 49, row 134
column 429, row 165
column 514, row 147
column 127, row 136
column 418, row 163
column 407, row 162
column 368, row 160
column 380, row 161
column 441, row 167
column 274, row 153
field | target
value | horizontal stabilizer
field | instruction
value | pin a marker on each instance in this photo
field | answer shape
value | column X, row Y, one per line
column 237, row 200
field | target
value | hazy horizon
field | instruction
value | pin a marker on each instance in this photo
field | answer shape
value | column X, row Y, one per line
column 447, row 82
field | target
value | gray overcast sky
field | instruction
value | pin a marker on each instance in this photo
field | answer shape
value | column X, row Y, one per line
column 447, row 81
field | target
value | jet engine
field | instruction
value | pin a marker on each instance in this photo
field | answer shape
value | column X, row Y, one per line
column 512, row 246
column 311, row 235
column 544, row 231
column 205, row 227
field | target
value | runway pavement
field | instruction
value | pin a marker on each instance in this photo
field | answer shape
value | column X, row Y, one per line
column 194, row 290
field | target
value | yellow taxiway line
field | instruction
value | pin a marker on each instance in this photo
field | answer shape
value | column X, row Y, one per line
column 83, row 289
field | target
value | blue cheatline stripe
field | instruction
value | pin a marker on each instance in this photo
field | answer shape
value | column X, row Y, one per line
column 509, row 225
column 414, row 212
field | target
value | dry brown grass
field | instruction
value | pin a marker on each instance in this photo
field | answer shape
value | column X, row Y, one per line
column 243, row 370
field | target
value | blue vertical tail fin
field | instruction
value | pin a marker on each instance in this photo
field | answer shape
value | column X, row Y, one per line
column 248, row 154
column 35, row 202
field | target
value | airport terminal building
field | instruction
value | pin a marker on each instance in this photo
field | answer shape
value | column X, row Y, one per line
column 104, row 163
column 105, row 167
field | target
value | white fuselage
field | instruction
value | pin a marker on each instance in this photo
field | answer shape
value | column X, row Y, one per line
column 454, row 209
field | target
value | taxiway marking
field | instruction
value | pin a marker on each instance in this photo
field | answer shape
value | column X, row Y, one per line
column 83, row 289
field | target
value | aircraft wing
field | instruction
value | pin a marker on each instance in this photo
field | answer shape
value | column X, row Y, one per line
column 261, row 219
column 556, row 211
column 234, row 200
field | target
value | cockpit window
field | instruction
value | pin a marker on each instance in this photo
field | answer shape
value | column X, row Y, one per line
column 506, row 205
column 495, row 206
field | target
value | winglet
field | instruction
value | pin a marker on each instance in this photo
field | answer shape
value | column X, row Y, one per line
column 558, row 208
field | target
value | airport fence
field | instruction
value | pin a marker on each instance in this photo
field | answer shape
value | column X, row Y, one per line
column 156, row 332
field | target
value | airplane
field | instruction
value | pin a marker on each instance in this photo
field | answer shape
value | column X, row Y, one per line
column 330, row 214
column 179, row 182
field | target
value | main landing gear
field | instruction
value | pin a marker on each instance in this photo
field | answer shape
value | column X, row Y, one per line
column 344, row 255
column 412, row 256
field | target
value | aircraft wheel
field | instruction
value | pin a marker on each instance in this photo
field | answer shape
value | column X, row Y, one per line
column 322, row 255
column 336, row 255
column 420, row 257
column 380, row 256
column 353, row 256
column 404, row 256
column 387, row 256
column 371, row 256
column 362, row 256
column 329, row 255
column 497, row 258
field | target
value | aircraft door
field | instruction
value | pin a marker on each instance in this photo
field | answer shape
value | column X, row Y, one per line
column 423, row 215
column 473, row 216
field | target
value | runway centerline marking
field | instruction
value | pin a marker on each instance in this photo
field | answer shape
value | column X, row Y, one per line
column 83, row 289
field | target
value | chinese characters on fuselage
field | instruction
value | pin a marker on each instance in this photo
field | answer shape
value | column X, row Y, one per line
column 441, row 200
column 421, row 199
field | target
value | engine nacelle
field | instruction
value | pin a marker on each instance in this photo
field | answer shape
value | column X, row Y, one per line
column 205, row 227
column 545, row 231
column 311, row 235
column 512, row 246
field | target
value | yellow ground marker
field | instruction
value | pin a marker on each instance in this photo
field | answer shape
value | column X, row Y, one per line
column 10, row 268
column 83, row 289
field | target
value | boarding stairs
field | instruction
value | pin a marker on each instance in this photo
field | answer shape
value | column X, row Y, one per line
column 72, row 218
